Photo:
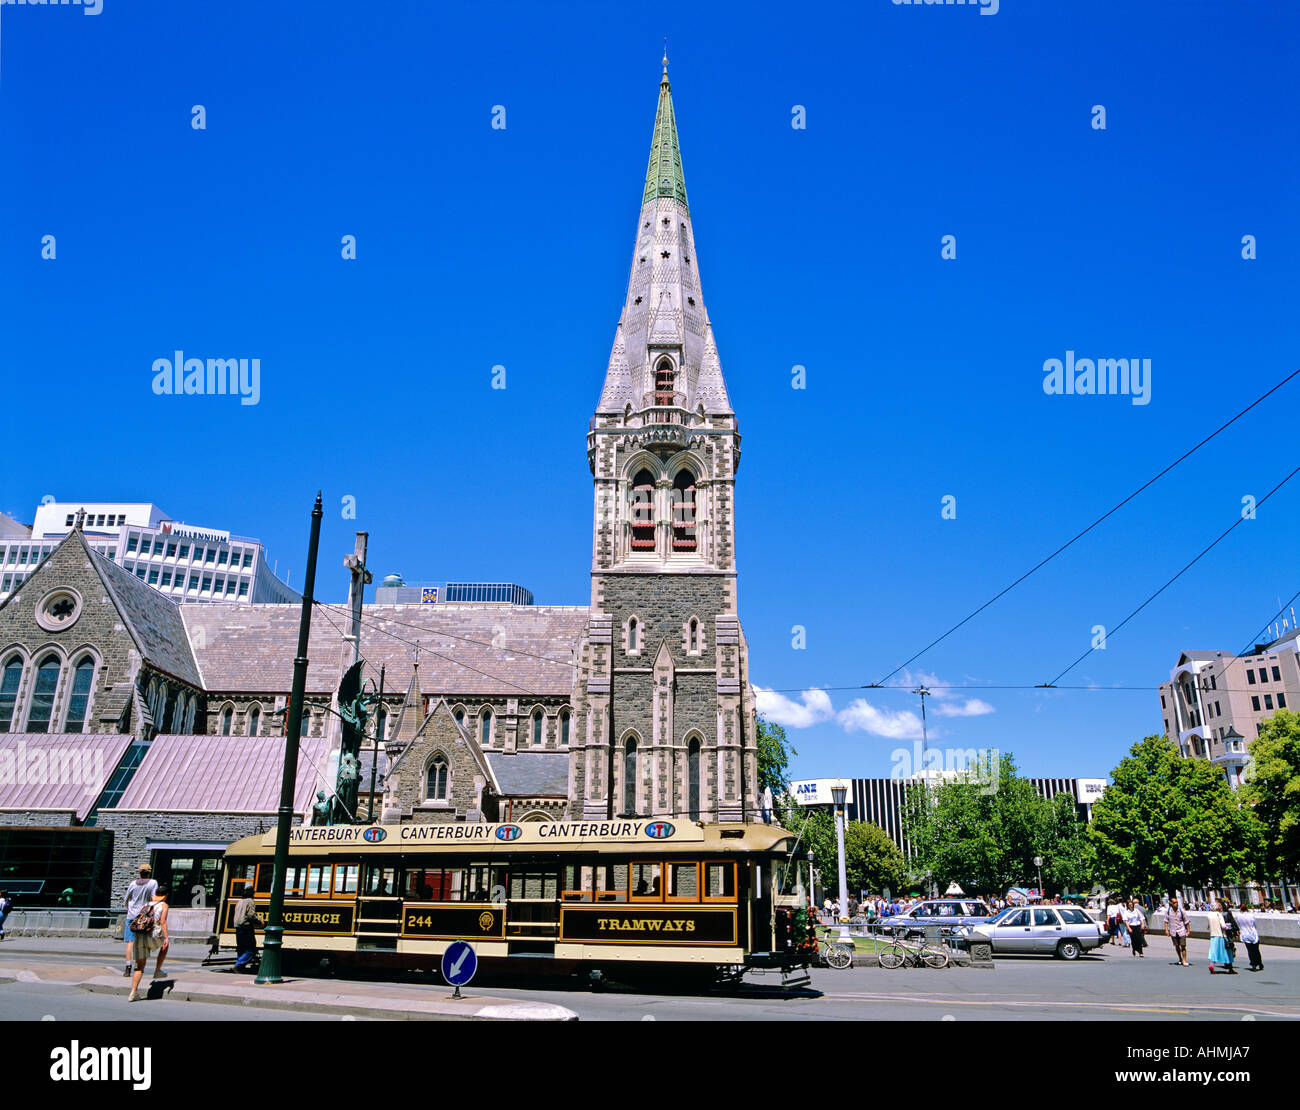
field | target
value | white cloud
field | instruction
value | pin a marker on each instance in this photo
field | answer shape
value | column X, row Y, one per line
column 973, row 707
column 862, row 716
column 815, row 708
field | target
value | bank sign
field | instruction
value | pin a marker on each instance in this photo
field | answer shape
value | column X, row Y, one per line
column 1089, row 790
column 813, row 792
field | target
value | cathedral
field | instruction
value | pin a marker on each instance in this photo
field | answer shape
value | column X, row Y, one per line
column 636, row 704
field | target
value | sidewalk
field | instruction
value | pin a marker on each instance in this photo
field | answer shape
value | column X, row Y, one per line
column 343, row 998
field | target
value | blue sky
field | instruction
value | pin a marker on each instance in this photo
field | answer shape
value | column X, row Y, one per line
column 819, row 247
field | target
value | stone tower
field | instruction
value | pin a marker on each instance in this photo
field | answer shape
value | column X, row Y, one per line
column 664, row 714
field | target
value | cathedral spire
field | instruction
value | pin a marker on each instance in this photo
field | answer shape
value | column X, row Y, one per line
column 663, row 176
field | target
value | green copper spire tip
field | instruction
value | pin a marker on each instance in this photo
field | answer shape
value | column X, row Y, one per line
column 663, row 176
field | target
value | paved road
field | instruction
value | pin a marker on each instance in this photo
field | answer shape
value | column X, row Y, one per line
column 57, row 1002
column 1107, row 987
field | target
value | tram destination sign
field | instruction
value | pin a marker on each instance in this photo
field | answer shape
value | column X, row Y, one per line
column 387, row 837
column 647, row 925
column 442, row 921
column 304, row 918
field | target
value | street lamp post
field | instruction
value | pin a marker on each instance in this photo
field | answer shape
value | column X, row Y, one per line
column 273, row 940
column 838, row 791
column 1038, row 866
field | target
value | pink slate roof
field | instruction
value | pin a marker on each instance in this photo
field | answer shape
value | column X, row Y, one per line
column 501, row 650
column 60, row 771
column 224, row 774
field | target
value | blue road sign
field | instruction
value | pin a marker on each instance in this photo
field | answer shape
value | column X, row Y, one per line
column 459, row 964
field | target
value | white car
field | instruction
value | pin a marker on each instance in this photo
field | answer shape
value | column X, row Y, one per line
column 1064, row 931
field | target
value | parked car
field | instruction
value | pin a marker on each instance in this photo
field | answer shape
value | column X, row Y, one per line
column 941, row 911
column 1064, row 931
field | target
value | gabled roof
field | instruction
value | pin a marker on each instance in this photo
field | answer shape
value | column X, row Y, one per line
column 152, row 618
column 441, row 707
column 225, row 774
column 62, row 772
column 466, row 650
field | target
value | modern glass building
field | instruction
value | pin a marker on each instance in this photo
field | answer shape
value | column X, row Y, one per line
column 184, row 562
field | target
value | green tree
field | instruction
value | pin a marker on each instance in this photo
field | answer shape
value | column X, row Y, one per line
column 872, row 861
column 1166, row 822
column 773, row 758
column 981, row 831
column 1067, row 855
column 1272, row 791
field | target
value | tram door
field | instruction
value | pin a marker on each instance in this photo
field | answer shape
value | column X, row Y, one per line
column 533, row 912
column 760, row 884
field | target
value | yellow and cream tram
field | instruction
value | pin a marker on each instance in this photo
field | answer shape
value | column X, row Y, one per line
column 584, row 895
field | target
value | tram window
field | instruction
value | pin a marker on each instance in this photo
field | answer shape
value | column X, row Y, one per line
column 720, row 880
column 645, row 881
column 381, row 881
column 240, row 873
column 318, row 880
column 684, row 881
column 345, row 878
column 265, row 875
column 534, row 883
column 437, row 885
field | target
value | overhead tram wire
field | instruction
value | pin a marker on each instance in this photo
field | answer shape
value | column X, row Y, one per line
column 1249, row 649
column 1080, row 535
column 437, row 632
column 1175, row 578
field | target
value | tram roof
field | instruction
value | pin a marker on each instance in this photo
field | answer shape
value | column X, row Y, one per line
column 630, row 835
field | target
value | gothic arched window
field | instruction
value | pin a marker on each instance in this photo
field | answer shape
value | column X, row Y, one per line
column 693, row 779
column 564, row 727
column 436, row 780
column 693, row 637
column 82, row 678
column 665, row 379
column 381, row 724
column 47, row 682
column 537, row 727
column 10, row 680
column 629, row 775
column 227, row 720
column 643, row 511
column 485, row 729
column 254, row 720
column 633, row 636
column 684, row 511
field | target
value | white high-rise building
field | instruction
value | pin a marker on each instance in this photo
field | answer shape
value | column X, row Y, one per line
column 185, row 562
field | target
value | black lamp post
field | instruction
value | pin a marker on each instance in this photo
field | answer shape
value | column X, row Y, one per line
column 273, row 943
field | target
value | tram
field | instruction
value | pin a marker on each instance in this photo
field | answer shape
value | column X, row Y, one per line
column 600, row 896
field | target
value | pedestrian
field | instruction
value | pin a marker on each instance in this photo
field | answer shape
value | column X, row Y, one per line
column 246, row 925
column 1177, row 926
column 1112, row 919
column 5, row 907
column 1220, row 952
column 139, row 893
column 149, row 929
column 1136, row 921
column 1250, row 936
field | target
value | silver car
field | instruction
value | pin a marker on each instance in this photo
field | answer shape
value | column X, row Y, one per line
column 1064, row 931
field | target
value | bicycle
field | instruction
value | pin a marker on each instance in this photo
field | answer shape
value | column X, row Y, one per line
column 902, row 951
column 834, row 954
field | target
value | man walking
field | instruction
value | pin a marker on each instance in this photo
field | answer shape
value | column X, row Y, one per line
column 1249, row 936
column 1177, row 925
column 139, row 893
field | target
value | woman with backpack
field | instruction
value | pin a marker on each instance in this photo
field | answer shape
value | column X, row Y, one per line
column 150, row 932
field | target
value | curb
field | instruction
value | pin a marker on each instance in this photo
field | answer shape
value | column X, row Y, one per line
column 291, row 997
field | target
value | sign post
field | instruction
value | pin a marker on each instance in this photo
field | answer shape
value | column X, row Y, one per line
column 458, row 965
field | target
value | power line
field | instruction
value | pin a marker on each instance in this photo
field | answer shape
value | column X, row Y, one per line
column 449, row 659
column 449, row 635
column 1175, row 578
column 1250, row 647
column 1094, row 524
